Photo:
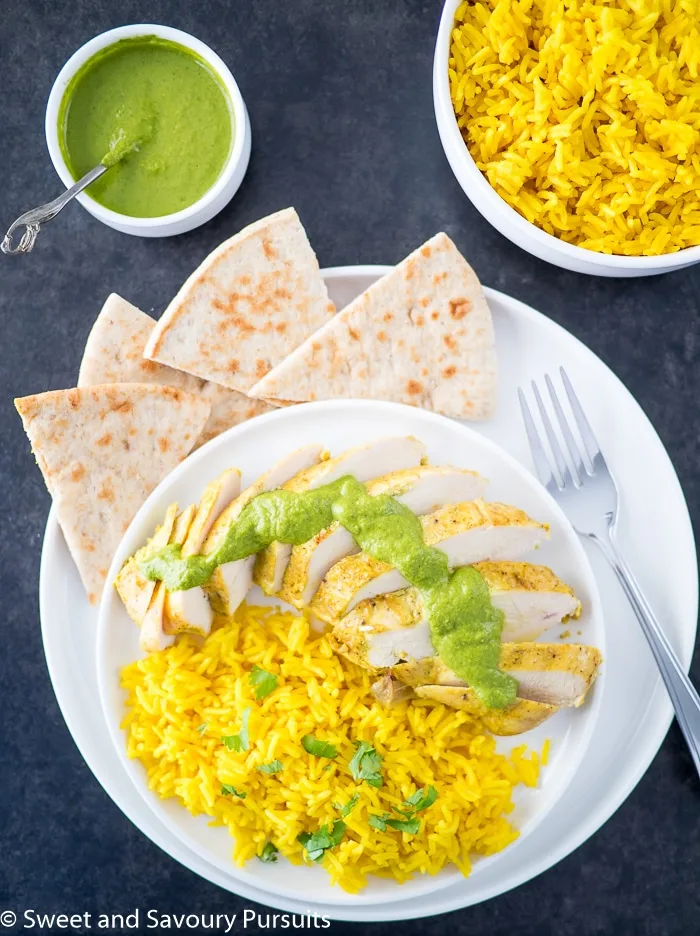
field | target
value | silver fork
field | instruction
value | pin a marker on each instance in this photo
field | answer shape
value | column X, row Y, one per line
column 589, row 499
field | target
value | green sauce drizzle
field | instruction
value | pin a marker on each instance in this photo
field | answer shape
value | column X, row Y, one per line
column 465, row 626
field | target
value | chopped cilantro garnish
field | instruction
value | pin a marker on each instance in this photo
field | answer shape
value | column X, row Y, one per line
column 272, row 768
column 318, row 843
column 318, row 748
column 412, row 826
column 366, row 764
column 349, row 806
column 239, row 742
column 228, row 790
column 269, row 853
column 415, row 803
column 264, row 682
column 200, row 729
column 419, row 801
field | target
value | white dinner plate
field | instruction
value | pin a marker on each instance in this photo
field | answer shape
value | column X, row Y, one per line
column 254, row 447
column 634, row 710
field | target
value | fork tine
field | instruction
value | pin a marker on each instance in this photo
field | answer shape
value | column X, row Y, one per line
column 539, row 456
column 553, row 441
column 589, row 440
column 576, row 459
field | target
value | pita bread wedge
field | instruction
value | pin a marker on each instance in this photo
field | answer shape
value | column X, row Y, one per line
column 254, row 299
column 114, row 354
column 102, row 450
column 420, row 335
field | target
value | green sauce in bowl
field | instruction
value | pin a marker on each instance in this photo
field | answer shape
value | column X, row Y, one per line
column 156, row 113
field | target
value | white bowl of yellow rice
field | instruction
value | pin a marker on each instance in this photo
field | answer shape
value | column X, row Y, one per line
column 574, row 129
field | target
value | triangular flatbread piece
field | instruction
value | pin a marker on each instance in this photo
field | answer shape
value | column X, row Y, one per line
column 114, row 354
column 421, row 335
column 102, row 450
column 252, row 301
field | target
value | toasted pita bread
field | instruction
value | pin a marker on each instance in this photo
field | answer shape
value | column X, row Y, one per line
column 421, row 335
column 252, row 301
column 102, row 450
column 114, row 354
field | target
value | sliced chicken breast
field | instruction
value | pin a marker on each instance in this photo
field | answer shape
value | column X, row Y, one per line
column 517, row 718
column 231, row 581
column 467, row 533
column 381, row 631
column 155, row 634
column 364, row 463
column 134, row 589
column 422, row 490
column 556, row 674
column 190, row 609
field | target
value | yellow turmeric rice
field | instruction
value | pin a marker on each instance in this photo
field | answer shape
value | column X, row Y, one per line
column 184, row 700
column 584, row 115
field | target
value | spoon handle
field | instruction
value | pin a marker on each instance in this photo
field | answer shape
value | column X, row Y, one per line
column 32, row 220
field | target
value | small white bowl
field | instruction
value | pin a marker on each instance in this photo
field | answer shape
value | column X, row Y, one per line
column 506, row 219
column 221, row 192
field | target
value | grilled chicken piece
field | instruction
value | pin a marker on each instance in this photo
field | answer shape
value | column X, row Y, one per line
column 155, row 634
column 556, row 674
column 517, row 718
column 421, row 489
column 134, row 589
column 190, row 609
column 231, row 581
column 389, row 691
column 550, row 676
column 365, row 462
column 381, row 631
column 467, row 533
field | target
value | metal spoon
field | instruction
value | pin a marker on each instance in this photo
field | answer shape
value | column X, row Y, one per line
column 32, row 220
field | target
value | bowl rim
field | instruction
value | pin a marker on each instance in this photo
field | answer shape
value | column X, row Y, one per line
column 239, row 122
column 469, row 175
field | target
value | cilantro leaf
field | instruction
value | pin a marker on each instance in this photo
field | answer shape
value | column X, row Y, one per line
column 366, row 764
column 200, row 729
column 228, row 790
column 264, row 682
column 318, row 843
column 239, row 742
column 419, row 801
column 318, row 748
column 272, row 768
column 411, row 826
column 269, row 853
column 349, row 806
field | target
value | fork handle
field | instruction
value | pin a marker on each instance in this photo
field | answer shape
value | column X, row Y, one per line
column 684, row 698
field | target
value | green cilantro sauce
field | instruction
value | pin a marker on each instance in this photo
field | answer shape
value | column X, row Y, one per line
column 157, row 114
column 465, row 626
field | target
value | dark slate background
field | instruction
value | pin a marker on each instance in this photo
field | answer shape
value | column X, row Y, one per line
column 341, row 107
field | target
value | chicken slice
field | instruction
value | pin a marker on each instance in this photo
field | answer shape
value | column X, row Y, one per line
column 190, row 609
column 365, row 462
column 380, row 631
column 556, row 674
column 422, row 490
column 135, row 590
column 153, row 636
column 231, row 581
column 154, row 627
column 517, row 718
column 467, row 533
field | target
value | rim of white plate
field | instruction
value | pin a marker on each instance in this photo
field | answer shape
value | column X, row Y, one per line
column 443, row 901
